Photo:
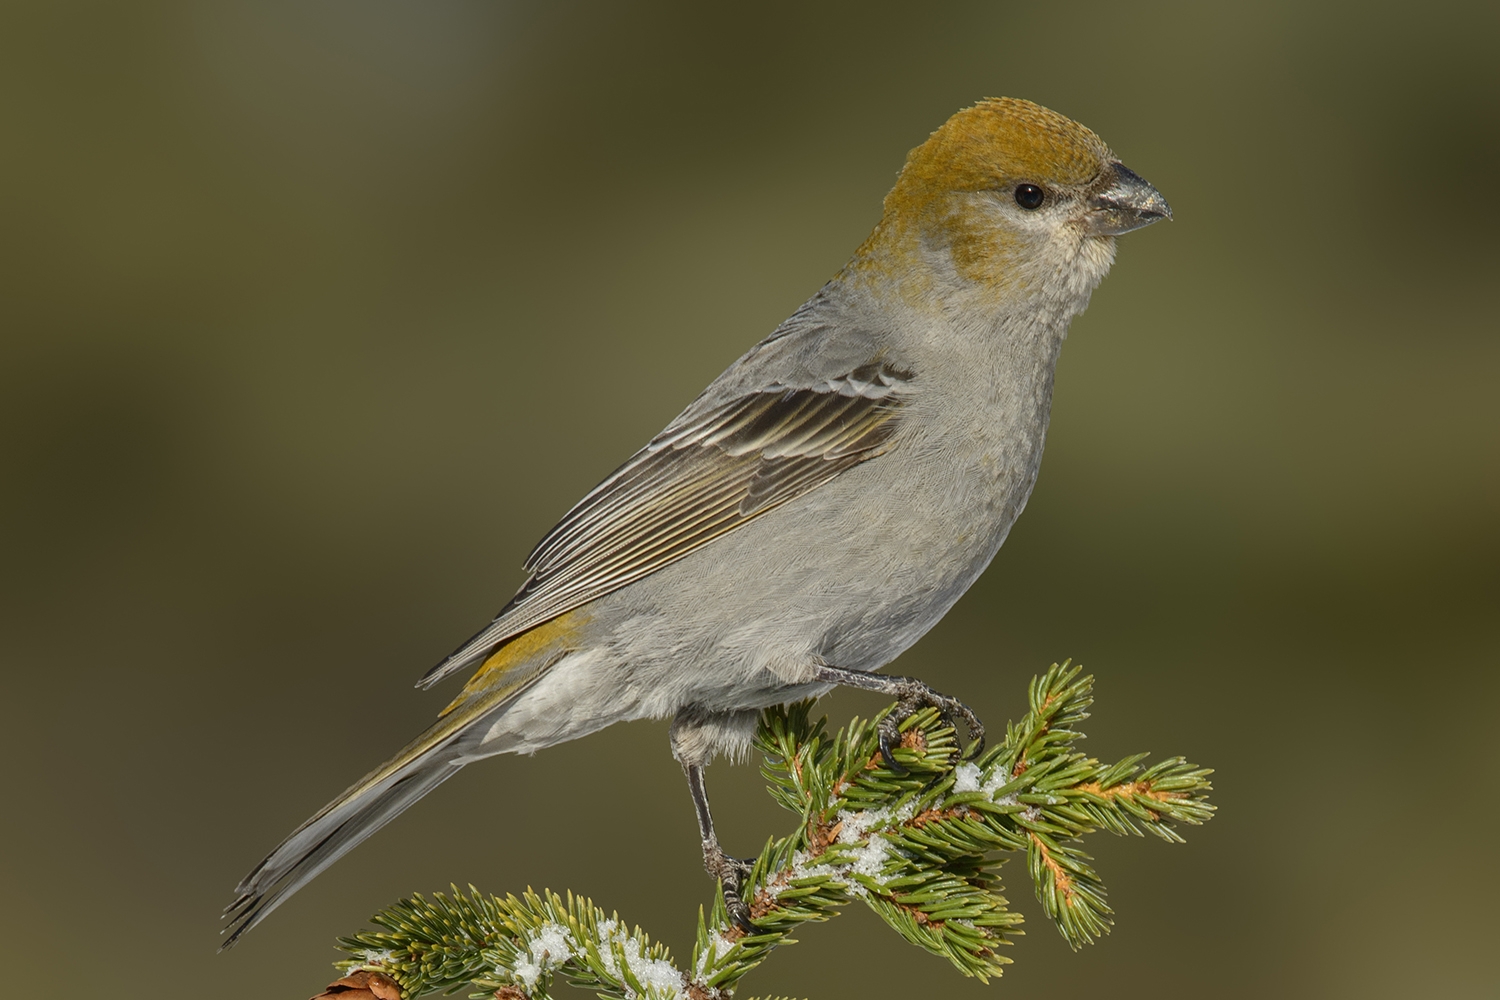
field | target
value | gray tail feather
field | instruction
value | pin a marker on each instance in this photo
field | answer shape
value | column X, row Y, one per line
column 341, row 825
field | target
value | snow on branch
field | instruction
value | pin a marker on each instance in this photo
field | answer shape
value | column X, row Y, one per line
column 922, row 848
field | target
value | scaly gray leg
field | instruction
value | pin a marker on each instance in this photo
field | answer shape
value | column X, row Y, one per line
column 731, row 872
column 911, row 697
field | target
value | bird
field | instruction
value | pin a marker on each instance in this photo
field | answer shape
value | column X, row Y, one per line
column 812, row 513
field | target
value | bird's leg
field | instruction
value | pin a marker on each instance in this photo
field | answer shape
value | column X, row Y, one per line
column 731, row 872
column 911, row 697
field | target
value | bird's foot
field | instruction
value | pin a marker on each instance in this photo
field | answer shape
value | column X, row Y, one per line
column 911, row 697
column 731, row 873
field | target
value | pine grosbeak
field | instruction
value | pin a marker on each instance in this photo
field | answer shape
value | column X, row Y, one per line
column 814, row 511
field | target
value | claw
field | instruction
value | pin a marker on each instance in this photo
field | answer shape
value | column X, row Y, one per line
column 739, row 913
column 889, row 733
column 731, row 873
column 972, row 724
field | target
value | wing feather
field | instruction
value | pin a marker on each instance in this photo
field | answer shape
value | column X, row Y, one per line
column 693, row 483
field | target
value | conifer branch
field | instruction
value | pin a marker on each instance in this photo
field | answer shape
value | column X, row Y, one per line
column 921, row 848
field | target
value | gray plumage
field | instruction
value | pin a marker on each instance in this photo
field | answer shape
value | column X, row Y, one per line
column 822, row 503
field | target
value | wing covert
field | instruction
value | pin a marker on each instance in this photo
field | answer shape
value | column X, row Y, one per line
column 698, row 479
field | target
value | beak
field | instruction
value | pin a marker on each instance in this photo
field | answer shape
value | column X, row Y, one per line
column 1128, row 203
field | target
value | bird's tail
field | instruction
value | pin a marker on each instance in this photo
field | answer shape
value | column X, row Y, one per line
column 385, row 792
column 338, row 827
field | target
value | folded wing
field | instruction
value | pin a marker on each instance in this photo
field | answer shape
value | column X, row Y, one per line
column 705, row 475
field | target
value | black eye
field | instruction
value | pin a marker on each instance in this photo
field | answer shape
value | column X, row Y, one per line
column 1029, row 196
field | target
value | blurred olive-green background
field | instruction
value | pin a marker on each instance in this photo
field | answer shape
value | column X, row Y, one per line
column 314, row 317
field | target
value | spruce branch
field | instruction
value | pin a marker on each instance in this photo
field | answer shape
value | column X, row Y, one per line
column 921, row 847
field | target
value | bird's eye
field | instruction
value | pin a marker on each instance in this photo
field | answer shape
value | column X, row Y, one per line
column 1030, row 197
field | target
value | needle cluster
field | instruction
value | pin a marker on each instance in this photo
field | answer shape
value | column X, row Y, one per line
column 921, row 846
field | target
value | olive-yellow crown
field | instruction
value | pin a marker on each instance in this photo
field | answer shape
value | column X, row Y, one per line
column 999, row 142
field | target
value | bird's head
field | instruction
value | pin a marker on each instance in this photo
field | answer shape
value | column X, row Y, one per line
column 1012, row 197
